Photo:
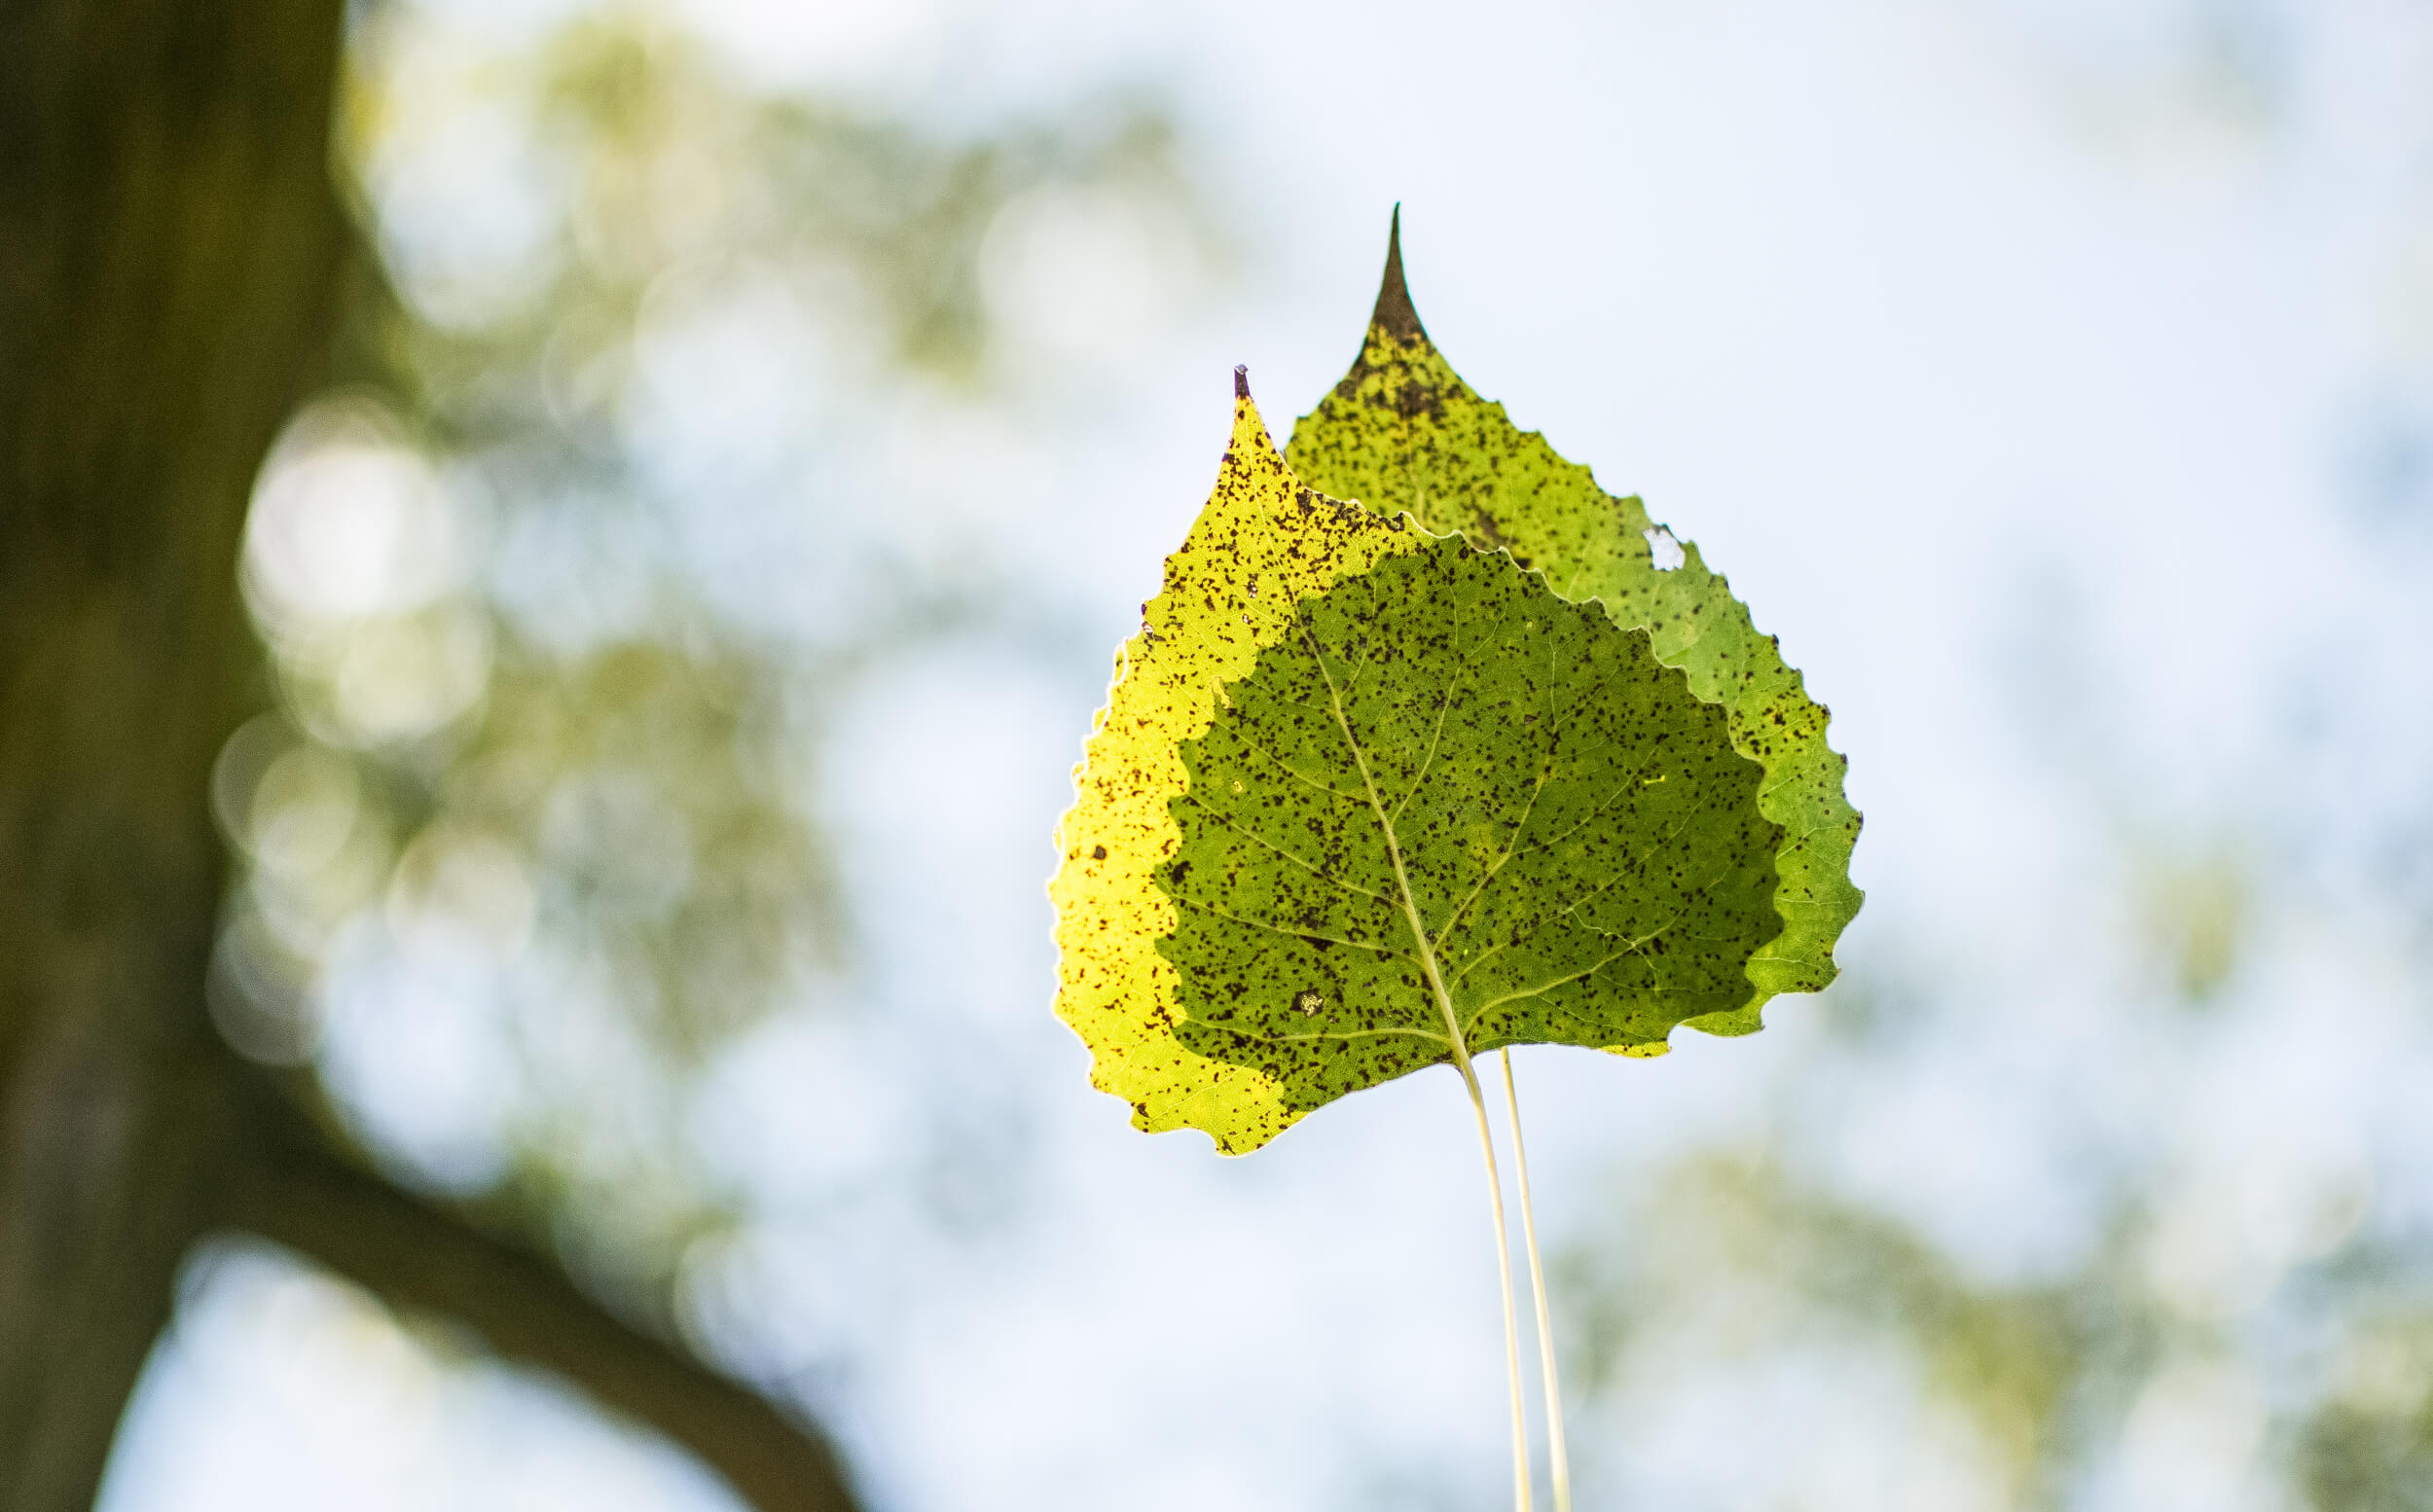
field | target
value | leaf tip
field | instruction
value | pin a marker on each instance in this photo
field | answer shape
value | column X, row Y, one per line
column 1395, row 314
column 1250, row 440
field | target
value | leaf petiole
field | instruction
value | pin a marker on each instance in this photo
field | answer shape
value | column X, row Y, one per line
column 1504, row 1265
column 1557, row 1452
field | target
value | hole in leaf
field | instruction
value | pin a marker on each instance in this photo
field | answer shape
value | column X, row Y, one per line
column 1664, row 553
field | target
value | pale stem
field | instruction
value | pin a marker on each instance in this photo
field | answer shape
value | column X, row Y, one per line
column 1511, row 1319
column 1559, row 1455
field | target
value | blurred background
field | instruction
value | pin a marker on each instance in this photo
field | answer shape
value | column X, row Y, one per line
column 685, row 603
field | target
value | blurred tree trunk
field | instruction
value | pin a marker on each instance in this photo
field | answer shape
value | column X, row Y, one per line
column 171, row 252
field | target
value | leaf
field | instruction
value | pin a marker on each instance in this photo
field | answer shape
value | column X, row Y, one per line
column 1403, row 432
column 1357, row 785
column 1261, row 542
column 1451, row 795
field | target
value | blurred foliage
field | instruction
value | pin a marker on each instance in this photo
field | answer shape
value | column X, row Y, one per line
column 1788, row 1267
column 2195, row 911
column 655, row 163
column 2370, row 1448
column 526, row 749
column 2233, row 1337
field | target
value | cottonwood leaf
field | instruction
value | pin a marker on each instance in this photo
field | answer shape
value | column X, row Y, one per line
column 1261, row 543
column 1403, row 433
column 1362, row 793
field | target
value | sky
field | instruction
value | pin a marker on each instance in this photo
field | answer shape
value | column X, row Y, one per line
column 2025, row 366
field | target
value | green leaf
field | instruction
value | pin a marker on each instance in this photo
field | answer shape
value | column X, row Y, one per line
column 1403, row 433
column 1366, row 800
column 1451, row 801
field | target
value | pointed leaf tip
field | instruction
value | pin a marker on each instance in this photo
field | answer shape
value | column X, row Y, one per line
column 1393, row 314
column 1241, row 382
column 1402, row 431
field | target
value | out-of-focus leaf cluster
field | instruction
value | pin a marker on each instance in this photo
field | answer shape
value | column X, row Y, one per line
column 2224, row 1329
column 527, row 840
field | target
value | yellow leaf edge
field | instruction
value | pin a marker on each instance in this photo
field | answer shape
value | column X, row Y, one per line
column 1262, row 542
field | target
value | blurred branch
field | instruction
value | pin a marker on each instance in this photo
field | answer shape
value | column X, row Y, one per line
column 418, row 1255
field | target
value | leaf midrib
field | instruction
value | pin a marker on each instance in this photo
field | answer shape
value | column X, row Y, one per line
column 1457, row 1036
column 1454, row 1038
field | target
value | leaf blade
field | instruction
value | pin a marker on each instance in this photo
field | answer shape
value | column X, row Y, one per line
column 1261, row 542
column 1557, row 767
column 1404, row 432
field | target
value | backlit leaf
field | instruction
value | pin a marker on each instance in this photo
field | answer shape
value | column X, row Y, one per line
column 1403, row 432
column 1360, row 789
